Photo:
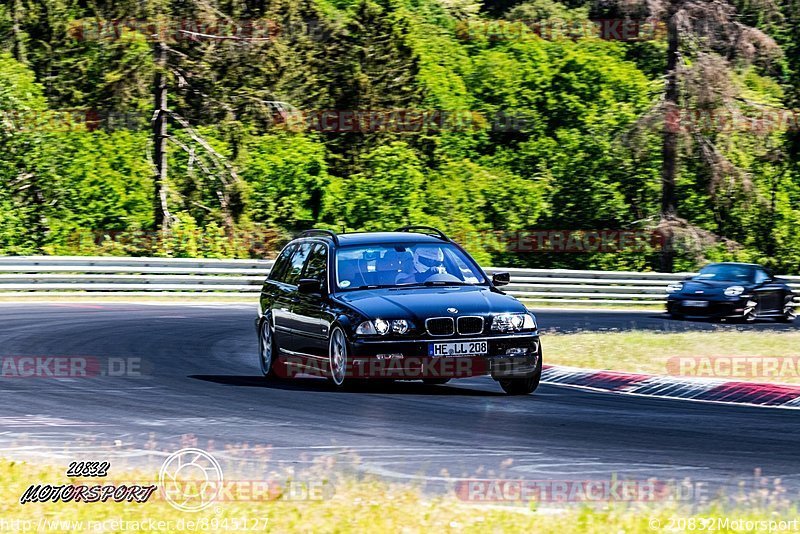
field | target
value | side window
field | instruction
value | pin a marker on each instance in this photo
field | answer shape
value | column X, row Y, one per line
column 761, row 276
column 296, row 263
column 317, row 266
column 278, row 271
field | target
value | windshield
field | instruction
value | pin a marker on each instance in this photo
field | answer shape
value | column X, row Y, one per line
column 400, row 265
column 727, row 273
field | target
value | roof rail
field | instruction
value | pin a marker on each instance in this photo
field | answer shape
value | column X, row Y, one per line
column 319, row 231
column 429, row 230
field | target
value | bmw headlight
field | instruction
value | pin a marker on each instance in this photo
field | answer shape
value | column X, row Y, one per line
column 734, row 291
column 675, row 288
column 513, row 322
column 382, row 327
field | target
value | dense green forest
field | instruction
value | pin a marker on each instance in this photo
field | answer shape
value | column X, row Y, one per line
column 220, row 128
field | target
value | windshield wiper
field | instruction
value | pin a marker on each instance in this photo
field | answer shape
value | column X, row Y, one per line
column 373, row 286
column 432, row 284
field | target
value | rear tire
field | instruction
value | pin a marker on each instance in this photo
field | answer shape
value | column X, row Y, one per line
column 789, row 315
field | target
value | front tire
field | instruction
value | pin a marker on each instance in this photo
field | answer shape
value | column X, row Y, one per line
column 750, row 312
column 266, row 349
column 337, row 357
column 524, row 385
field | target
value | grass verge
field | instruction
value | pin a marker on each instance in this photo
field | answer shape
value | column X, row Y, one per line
column 756, row 356
column 357, row 506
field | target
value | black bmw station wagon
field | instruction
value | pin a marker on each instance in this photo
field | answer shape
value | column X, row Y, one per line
column 404, row 305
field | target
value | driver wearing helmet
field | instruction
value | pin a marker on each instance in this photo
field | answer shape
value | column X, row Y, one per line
column 421, row 264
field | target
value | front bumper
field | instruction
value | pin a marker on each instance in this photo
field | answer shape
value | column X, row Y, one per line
column 716, row 307
column 508, row 356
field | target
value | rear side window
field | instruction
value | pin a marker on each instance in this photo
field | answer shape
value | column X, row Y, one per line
column 317, row 266
column 278, row 271
column 296, row 263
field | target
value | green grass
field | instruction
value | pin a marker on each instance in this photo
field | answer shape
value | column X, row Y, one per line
column 650, row 352
column 371, row 506
column 655, row 307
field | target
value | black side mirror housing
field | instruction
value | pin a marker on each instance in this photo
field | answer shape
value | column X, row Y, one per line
column 501, row 279
column 309, row 286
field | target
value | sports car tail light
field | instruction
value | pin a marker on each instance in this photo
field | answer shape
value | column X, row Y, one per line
column 470, row 325
column 440, row 326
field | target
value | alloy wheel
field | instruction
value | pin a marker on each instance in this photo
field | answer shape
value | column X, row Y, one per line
column 338, row 356
column 265, row 346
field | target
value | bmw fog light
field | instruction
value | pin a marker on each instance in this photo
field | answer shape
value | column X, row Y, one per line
column 400, row 326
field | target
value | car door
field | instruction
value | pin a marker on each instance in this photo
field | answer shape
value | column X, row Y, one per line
column 770, row 293
column 286, row 294
column 275, row 295
column 311, row 315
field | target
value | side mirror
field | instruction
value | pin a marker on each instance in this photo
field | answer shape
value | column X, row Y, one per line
column 309, row 286
column 501, row 279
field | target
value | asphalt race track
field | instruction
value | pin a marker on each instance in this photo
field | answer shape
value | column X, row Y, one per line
column 198, row 381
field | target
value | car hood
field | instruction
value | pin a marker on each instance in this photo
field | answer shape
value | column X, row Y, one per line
column 419, row 303
column 709, row 287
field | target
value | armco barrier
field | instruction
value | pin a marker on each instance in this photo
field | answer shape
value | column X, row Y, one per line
column 22, row 276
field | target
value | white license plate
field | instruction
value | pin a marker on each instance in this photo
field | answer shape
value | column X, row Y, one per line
column 463, row 348
column 696, row 303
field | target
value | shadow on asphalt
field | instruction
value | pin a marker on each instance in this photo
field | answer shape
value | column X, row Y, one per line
column 318, row 384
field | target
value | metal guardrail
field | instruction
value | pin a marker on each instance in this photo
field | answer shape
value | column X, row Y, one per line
column 73, row 275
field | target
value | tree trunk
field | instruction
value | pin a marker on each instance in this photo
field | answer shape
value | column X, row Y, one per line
column 669, row 165
column 161, row 210
column 18, row 44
